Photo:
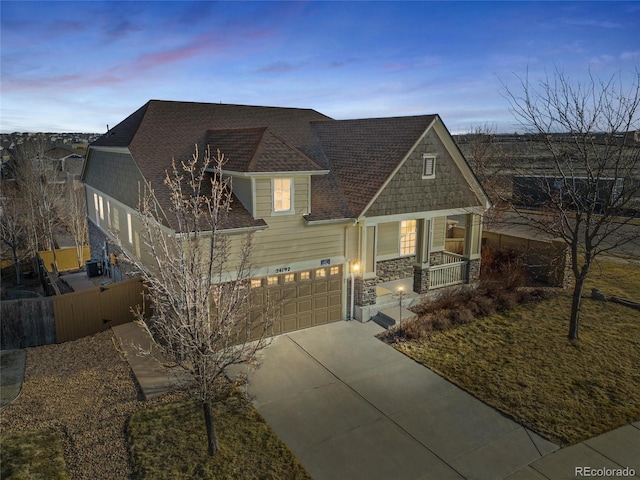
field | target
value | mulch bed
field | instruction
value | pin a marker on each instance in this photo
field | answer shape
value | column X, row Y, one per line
column 86, row 392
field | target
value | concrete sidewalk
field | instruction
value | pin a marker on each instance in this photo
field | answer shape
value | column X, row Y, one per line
column 615, row 450
column 147, row 364
column 12, row 365
column 350, row 406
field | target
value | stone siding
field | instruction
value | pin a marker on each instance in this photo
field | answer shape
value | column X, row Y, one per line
column 365, row 291
column 389, row 270
column 420, row 279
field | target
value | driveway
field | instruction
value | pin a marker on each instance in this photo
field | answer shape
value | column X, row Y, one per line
column 350, row 406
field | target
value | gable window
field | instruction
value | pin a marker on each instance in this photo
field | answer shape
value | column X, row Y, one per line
column 282, row 194
column 408, row 237
column 428, row 166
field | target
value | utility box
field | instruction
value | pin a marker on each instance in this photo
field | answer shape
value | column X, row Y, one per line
column 93, row 268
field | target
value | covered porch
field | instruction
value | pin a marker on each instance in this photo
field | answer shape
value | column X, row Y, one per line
column 404, row 262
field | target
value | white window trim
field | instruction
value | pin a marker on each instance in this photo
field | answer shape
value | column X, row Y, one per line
column 415, row 238
column 273, row 197
column 426, row 157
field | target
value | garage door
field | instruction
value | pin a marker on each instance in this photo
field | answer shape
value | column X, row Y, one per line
column 302, row 299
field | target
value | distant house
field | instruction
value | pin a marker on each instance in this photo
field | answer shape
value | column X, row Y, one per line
column 65, row 162
column 329, row 198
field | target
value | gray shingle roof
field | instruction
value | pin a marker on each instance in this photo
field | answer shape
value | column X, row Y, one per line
column 359, row 154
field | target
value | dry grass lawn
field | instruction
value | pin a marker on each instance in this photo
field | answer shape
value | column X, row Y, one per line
column 522, row 363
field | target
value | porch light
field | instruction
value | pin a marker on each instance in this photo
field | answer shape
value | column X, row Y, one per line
column 355, row 268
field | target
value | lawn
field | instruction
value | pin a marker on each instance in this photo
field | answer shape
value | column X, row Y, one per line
column 170, row 441
column 34, row 454
column 522, row 363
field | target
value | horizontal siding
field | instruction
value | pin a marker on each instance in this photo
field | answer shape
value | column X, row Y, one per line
column 439, row 233
column 300, row 197
column 388, row 238
column 263, row 197
column 284, row 242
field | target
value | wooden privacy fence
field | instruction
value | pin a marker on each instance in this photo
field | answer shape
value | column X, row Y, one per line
column 66, row 258
column 41, row 321
column 88, row 312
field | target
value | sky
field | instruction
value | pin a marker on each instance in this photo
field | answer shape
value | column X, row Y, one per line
column 80, row 66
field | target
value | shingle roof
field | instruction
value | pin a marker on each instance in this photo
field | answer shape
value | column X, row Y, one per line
column 360, row 155
column 162, row 130
column 258, row 150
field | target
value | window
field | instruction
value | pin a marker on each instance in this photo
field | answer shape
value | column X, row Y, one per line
column 272, row 281
column 109, row 213
column 321, row 273
column 289, row 277
column 116, row 219
column 95, row 204
column 428, row 166
column 408, row 237
column 101, row 207
column 282, row 190
column 334, row 271
column 305, row 276
column 256, row 283
column 129, row 229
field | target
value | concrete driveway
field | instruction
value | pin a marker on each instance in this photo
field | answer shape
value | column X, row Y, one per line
column 350, row 406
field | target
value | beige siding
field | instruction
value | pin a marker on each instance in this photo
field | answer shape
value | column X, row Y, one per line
column 263, row 197
column 352, row 241
column 439, row 233
column 301, row 195
column 242, row 190
column 288, row 240
column 388, row 238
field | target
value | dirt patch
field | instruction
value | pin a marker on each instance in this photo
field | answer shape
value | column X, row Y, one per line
column 86, row 392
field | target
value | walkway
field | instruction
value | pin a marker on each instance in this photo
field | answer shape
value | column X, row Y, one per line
column 349, row 406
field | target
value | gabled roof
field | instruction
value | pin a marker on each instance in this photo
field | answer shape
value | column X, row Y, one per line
column 354, row 159
column 258, row 150
column 162, row 130
column 361, row 155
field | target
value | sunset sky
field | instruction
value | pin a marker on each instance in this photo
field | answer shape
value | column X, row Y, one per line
column 80, row 66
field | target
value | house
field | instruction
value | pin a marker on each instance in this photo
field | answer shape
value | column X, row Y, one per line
column 334, row 203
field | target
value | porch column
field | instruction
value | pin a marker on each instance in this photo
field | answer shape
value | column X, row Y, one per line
column 472, row 245
column 365, row 285
column 421, row 267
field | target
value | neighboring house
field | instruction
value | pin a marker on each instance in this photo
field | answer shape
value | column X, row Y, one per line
column 328, row 199
column 65, row 163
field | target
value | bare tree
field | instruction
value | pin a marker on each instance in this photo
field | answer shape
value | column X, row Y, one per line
column 14, row 226
column 197, row 280
column 37, row 177
column 586, row 189
column 487, row 158
column 74, row 217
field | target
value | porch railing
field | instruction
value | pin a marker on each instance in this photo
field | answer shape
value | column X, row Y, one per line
column 448, row 274
column 450, row 257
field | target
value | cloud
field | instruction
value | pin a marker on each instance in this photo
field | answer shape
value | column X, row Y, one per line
column 280, row 67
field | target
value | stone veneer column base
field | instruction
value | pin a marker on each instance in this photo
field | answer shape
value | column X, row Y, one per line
column 365, row 291
column 474, row 271
column 420, row 279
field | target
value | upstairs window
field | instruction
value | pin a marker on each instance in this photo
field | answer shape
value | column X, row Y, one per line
column 428, row 166
column 282, row 194
column 408, row 237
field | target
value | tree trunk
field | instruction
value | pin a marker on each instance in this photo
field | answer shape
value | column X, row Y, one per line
column 575, row 307
column 17, row 266
column 212, row 437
